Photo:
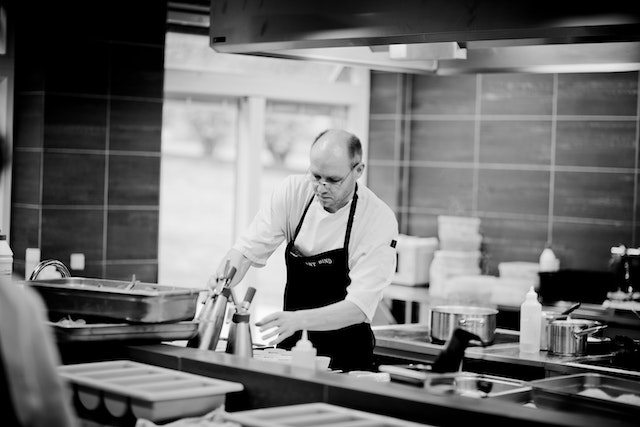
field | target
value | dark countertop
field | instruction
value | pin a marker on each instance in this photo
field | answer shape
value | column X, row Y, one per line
column 272, row 384
column 269, row 384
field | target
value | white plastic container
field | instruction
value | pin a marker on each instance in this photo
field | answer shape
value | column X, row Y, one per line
column 415, row 255
column 6, row 257
column 447, row 264
column 457, row 227
column 520, row 271
column 471, row 242
column 303, row 354
column 31, row 260
column 146, row 391
column 530, row 323
column 548, row 260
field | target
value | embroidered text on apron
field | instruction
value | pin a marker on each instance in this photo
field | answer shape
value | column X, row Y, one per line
column 319, row 280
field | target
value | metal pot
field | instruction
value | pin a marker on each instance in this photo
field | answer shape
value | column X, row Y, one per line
column 480, row 321
column 547, row 318
column 569, row 337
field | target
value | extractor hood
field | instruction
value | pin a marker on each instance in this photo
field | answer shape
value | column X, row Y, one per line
column 437, row 36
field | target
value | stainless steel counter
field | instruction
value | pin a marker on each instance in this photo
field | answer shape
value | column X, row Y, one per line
column 411, row 342
column 620, row 321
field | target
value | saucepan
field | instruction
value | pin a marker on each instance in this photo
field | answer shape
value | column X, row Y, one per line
column 569, row 337
column 481, row 321
column 550, row 316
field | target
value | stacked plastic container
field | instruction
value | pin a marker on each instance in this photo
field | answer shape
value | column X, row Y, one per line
column 516, row 277
column 458, row 254
column 414, row 259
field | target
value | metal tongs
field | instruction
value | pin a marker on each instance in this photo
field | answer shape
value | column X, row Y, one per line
column 212, row 316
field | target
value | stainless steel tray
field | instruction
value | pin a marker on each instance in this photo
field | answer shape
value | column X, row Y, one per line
column 125, row 301
column 462, row 383
column 475, row 385
column 124, row 331
column 598, row 394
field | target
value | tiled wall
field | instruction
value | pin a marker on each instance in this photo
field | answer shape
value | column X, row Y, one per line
column 88, row 121
column 538, row 157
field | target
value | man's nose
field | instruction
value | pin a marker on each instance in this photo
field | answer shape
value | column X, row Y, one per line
column 323, row 187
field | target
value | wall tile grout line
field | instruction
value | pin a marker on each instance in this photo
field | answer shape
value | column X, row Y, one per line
column 518, row 216
column 41, row 183
column 552, row 160
column 504, row 117
column 407, row 100
column 92, row 207
column 96, row 96
column 635, row 177
column 503, row 166
column 90, row 151
column 399, row 148
column 476, row 146
column 105, row 213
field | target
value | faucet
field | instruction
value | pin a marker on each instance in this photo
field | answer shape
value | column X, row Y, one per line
column 62, row 269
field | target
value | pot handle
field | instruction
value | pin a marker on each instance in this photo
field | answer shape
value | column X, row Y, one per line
column 464, row 320
column 589, row 331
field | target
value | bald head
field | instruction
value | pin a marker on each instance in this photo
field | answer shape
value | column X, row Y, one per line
column 338, row 144
column 335, row 164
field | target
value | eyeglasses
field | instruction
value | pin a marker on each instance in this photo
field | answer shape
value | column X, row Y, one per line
column 329, row 182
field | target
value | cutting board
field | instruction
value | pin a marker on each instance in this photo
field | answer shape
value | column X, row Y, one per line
column 150, row 392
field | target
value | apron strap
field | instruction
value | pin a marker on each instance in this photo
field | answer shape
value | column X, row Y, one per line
column 295, row 234
column 347, row 234
column 352, row 213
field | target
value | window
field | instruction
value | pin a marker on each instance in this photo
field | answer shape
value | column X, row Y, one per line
column 196, row 198
column 289, row 131
column 207, row 168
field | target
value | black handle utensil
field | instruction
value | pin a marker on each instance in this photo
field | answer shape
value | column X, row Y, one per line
column 450, row 359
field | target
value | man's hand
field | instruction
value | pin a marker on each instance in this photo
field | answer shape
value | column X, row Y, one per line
column 282, row 325
column 235, row 259
column 334, row 316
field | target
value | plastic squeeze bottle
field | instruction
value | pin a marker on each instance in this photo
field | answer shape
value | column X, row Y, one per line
column 303, row 354
column 6, row 257
column 548, row 260
column 530, row 323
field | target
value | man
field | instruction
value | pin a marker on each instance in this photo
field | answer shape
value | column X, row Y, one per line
column 340, row 253
column 31, row 390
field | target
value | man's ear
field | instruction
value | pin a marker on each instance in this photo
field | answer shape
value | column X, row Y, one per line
column 360, row 169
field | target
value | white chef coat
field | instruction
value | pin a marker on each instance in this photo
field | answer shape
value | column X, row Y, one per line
column 372, row 253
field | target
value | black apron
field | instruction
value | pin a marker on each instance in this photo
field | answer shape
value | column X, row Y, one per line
column 319, row 280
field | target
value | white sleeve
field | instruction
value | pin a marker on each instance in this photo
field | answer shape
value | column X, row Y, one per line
column 373, row 264
column 267, row 229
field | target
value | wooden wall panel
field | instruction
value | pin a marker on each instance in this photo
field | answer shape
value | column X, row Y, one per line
column 523, row 192
column 516, row 141
column 537, row 157
column 442, row 140
column 605, row 94
column 91, row 109
column 444, row 95
column 522, row 94
column 599, row 143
